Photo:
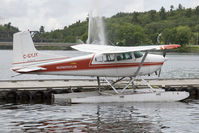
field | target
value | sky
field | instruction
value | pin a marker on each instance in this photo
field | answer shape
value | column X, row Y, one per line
column 55, row 14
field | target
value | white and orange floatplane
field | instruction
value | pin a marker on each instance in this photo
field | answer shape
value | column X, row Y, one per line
column 104, row 61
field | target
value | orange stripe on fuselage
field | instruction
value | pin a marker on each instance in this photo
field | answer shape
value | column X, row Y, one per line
column 85, row 64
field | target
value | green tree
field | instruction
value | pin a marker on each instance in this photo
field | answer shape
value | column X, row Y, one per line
column 152, row 14
column 197, row 10
column 180, row 7
column 180, row 35
column 135, row 17
column 39, row 36
column 171, row 13
column 41, row 30
column 7, row 31
column 132, row 34
column 183, row 34
column 8, row 25
column 162, row 13
column 169, row 35
column 196, row 28
column 136, row 28
column 188, row 12
column 171, row 8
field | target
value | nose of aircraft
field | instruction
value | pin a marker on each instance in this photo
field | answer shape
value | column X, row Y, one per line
column 157, row 58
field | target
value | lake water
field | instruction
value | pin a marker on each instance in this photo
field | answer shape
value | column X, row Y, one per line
column 175, row 117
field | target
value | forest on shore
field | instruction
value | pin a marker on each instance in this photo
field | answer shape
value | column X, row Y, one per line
column 179, row 25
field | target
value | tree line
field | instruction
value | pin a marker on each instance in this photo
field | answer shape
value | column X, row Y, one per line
column 7, row 31
column 177, row 25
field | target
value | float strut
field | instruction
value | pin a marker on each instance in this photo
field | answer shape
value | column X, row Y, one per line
column 131, row 82
column 98, row 82
column 147, row 83
column 111, row 85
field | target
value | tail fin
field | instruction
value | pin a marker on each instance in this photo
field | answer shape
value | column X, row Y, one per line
column 23, row 47
column 25, row 53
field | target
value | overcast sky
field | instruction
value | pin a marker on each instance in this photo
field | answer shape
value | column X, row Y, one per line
column 55, row 14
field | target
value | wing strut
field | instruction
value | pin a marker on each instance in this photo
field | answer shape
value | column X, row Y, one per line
column 137, row 72
column 132, row 79
column 141, row 63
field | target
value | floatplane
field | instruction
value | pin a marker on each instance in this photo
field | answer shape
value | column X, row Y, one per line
column 104, row 61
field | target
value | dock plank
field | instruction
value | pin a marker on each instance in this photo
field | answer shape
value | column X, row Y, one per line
column 25, row 84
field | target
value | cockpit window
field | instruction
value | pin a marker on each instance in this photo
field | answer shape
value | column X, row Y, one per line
column 138, row 54
column 105, row 58
column 110, row 57
column 124, row 56
column 99, row 58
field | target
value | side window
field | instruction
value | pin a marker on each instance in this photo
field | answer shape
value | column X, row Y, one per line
column 110, row 57
column 105, row 58
column 128, row 56
column 123, row 56
column 138, row 54
column 99, row 58
column 120, row 57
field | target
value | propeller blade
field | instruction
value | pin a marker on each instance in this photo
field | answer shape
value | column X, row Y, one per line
column 164, row 53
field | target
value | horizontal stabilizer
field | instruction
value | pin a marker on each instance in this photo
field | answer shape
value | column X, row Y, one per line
column 30, row 69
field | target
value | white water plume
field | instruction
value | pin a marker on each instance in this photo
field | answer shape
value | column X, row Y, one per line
column 96, row 30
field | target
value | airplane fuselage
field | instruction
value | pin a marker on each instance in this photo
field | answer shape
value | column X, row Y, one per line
column 101, row 65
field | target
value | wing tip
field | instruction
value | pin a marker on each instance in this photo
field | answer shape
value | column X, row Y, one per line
column 171, row 46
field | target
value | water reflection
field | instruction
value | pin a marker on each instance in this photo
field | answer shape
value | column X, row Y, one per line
column 128, row 117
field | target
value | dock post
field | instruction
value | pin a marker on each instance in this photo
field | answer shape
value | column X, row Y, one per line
column 11, row 96
column 198, row 92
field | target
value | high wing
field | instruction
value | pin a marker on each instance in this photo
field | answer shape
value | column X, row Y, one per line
column 93, row 48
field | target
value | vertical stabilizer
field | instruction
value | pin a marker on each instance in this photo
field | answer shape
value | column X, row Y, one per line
column 25, row 53
column 23, row 47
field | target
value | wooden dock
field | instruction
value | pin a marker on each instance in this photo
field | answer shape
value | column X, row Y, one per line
column 43, row 89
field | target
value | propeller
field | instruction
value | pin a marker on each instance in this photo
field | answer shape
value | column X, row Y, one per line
column 164, row 53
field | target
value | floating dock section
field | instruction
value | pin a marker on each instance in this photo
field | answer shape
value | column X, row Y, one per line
column 46, row 89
